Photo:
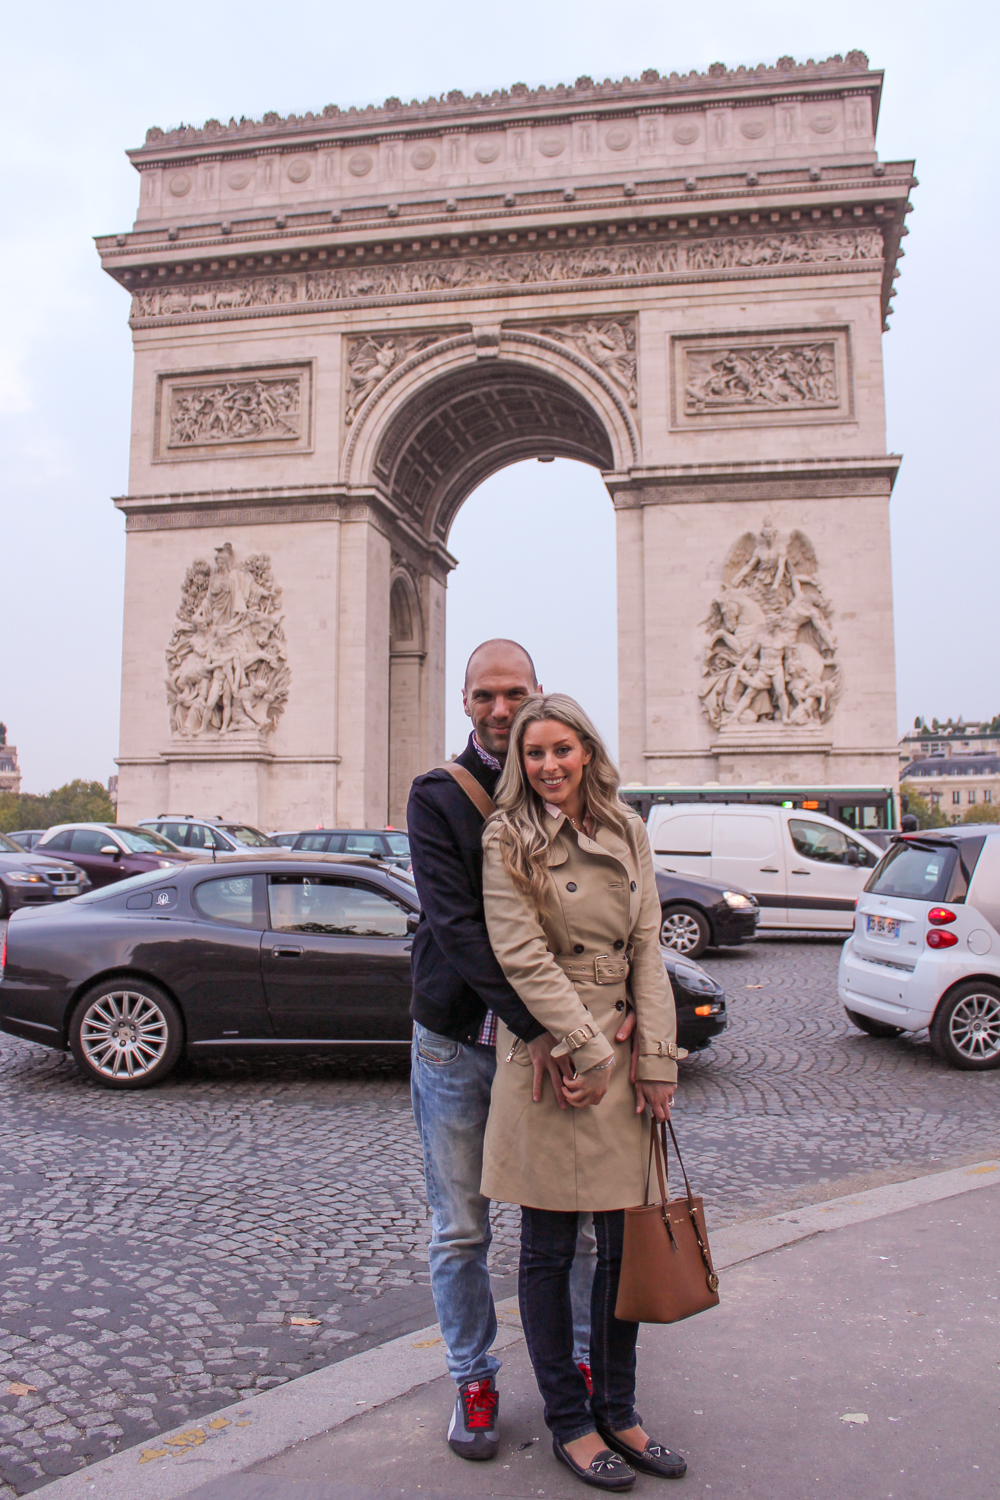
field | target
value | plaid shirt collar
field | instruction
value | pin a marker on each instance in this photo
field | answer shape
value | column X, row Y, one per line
column 484, row 755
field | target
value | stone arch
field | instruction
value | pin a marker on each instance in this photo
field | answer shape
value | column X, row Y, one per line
column 450, row 416
column 406, row 705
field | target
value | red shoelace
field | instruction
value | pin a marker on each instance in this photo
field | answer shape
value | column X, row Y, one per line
column 480, row 1404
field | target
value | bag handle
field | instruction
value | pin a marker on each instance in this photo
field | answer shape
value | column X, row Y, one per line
column 477, row 795
column 658, row 1147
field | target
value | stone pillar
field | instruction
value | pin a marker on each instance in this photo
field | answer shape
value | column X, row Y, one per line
column 632, row 643
column 363, row 673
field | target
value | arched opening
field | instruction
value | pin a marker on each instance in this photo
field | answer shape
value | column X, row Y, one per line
column 540, row 549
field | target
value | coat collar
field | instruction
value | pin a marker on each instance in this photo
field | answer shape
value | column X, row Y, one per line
column 606, row 841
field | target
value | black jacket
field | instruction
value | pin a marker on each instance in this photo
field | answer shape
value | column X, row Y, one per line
column 456, row 978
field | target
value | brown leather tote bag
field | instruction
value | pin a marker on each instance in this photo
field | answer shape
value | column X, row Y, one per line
column 667, row 1271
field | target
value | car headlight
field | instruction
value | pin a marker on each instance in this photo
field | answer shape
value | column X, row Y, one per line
column 695, row 980
column 23, row 878
column 738, row 901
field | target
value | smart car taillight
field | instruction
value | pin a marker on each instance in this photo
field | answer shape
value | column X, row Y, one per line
column 940, row 914
column 939, row 939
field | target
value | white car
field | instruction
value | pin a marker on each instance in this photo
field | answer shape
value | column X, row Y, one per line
column 804, row 869
column 926, row 944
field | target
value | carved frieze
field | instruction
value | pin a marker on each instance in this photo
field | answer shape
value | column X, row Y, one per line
column 226, row 659
column 213, row 413
column 606, row 343
column 370, row 359
column 771, row 654
column 755, row 378
column 507, row 273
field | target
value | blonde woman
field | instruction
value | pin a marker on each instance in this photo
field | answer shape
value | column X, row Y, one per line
column 574, row 920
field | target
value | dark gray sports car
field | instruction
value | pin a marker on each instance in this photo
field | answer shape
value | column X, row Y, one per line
column 276, row 953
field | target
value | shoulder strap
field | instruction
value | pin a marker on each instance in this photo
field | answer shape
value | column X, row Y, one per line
column 476, row 794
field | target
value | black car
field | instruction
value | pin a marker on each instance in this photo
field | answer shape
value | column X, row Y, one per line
column 257, row 954
column 28, row 879
column 698, row 913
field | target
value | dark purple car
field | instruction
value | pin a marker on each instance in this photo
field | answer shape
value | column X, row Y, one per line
column 111, row 851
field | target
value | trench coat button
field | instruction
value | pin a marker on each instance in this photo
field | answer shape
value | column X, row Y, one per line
column 619, row 942
column 632, row 886
column 571, row 885
column 619, row 1005
column 577, row 947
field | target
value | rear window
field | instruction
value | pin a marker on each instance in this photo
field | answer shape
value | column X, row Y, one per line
column 926, row 872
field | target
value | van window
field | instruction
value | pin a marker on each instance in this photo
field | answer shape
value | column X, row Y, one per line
column 738, row 837
column 688, row 833
column 816, row 841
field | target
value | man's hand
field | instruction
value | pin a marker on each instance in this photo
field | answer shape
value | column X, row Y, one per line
column 659, row 1097
column 626, row 1030
column 540, row 1052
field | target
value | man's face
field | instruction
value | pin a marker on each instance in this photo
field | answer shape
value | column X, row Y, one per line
column 498, row 683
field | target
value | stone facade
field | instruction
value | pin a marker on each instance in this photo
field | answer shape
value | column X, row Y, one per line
column 10, row 775
column 344, row 322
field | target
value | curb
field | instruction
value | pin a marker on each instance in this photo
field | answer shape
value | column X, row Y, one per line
column 232, row 1440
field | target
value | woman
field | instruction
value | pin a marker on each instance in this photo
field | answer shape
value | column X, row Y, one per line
column 574, row 919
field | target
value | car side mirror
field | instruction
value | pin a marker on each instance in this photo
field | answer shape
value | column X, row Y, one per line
column 111, row 849
column 412, row 923
column 853, row 855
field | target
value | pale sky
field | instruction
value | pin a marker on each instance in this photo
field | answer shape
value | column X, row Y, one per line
column 82, row 83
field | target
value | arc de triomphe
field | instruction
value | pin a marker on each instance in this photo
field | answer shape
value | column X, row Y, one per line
column 344, row 322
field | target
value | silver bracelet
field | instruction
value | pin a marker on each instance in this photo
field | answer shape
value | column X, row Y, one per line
column 608, row 1062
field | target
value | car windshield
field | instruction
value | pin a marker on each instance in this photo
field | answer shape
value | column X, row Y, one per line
column 920, row 872
column 399, row 843
column 144, row 841
column 250, row 836
column 133, row 883
column 8, row 845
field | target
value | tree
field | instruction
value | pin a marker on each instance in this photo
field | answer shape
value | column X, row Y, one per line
column 3, row 733
column 925, row 812
column 988, row 813
column 76, row 802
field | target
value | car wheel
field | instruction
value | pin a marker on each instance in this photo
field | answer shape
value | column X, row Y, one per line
column 684, row 929
column 873, row 1028
column 965, row 1030
column 126, row 1034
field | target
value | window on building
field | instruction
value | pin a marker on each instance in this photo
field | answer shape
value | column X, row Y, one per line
column 987, row 795
column 956, row 798
column 972, row 798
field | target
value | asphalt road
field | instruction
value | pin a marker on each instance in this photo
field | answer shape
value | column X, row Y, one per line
column 156, row 1247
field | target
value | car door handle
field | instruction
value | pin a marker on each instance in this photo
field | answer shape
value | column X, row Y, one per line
column 768, row 870
column 802, row 872
column 287, row 952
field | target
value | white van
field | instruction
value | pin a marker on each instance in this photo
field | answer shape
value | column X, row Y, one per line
column 805, row 869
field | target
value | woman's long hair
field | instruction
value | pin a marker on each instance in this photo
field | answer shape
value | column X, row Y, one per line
column 521, row 815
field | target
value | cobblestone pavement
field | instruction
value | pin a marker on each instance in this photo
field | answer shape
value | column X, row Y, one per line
column 157, row 1248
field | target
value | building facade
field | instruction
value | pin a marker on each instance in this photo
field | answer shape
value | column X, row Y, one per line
column 344, row 322
column 10, row 775
column 954, row 783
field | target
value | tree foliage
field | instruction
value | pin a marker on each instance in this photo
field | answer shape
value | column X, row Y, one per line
column 76, row 802
column 988, row 813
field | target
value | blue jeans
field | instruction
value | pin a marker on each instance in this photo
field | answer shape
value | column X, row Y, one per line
column 548, row 1247
column 450, row 1086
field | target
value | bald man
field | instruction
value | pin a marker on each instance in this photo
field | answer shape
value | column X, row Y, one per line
column 458, row 991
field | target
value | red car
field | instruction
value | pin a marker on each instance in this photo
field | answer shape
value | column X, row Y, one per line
column 110, row 851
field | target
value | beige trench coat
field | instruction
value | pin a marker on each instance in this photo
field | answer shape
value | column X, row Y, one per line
column 571, row 970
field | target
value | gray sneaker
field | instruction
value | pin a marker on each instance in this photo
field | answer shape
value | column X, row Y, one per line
column 474, row 1430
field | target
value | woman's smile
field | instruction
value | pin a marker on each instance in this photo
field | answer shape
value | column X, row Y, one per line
column 554, row 758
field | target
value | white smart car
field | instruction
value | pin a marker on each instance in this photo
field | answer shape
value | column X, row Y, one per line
column 926, row 944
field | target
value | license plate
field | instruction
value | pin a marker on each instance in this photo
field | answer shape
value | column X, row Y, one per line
column 883, row 926
column 67, row 890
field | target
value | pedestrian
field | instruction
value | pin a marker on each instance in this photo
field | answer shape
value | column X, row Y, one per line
column 574, row 919
column 459, row 990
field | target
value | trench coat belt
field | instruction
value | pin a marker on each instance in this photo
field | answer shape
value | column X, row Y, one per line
column 603, row 969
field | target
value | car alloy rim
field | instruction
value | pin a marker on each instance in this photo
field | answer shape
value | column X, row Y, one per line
column 975, row 1026
column 124, row 1034
column 680, row 932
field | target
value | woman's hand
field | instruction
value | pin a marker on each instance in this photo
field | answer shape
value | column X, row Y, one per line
column 590, row 1087
column 659, row 1097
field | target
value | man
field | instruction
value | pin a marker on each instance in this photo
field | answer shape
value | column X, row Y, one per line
column 458, row 991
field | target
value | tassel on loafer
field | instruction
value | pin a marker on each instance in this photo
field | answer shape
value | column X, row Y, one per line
column 656, row 1458
column 607, row 1471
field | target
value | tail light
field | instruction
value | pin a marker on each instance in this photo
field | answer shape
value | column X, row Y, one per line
column 939, row 939
column 940, row 914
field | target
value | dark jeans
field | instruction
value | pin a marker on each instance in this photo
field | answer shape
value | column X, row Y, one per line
column 548, row 1242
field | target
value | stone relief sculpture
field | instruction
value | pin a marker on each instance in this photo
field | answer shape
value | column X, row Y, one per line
column 802, row 376
column 235, row 411
column 771, row 654
column 226, row 660
column 369, row 361
column 518, row 268
column 607, row 343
